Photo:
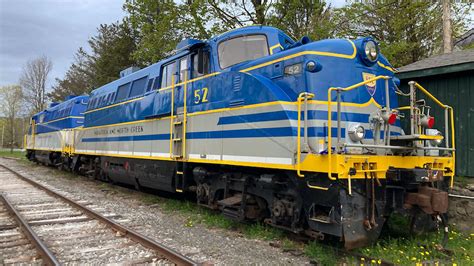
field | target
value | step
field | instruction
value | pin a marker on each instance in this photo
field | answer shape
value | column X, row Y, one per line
column 233, row 200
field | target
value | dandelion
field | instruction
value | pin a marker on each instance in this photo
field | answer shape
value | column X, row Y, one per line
column 427, row 253
column 373, row 261
column 362, row 259
column 422, row 253
column 379, row 261
column 413, row 258
column 422, row 247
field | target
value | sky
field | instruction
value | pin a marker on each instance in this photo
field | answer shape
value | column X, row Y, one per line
column 55, row 28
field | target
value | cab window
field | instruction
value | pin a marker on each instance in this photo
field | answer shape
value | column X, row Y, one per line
column 183, row 66
column 242, row 49
column 166, row 75
column 200, row 63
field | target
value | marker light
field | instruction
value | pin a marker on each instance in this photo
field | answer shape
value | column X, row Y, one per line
column 389, row 117
column 392, row 118
column 427, row 121
column 356, row 133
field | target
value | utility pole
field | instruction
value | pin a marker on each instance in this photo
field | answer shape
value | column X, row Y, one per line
column 447, row 31
column 3, row 133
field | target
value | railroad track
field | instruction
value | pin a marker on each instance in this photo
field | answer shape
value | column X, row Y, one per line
column 41, row 226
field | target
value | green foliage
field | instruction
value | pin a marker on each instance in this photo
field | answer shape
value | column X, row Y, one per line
column 111, row 52
column 260, row 231
column 12, row 154
column 160, row 25
column 303, row 17
column 407, row 30
column 320, row 254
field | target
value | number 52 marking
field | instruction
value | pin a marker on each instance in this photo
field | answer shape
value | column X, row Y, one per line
column 200, row 95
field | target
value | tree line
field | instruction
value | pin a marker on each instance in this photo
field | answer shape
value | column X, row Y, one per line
column 407, row 30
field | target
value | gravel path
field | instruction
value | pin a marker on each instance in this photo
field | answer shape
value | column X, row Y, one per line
column 202, row 244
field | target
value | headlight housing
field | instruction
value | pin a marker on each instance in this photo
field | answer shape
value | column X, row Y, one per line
column 356, row 133
column 435, row 132
column 369, row 51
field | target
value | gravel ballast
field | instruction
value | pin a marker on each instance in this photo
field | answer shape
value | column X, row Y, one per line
column 200, row 243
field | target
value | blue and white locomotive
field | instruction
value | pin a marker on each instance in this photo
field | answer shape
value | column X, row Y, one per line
column 242, row 121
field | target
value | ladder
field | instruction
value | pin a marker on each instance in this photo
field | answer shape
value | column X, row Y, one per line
column 178, row 136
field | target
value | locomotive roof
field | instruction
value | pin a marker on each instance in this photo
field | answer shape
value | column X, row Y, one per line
column 63, row 105
column 182, row 48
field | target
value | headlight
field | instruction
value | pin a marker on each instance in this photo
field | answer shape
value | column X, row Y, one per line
column 368, row 51
column 356, row 133
column 434, row 132
column 371, row 50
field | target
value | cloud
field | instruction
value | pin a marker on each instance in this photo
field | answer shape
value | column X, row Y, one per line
column 55, row 28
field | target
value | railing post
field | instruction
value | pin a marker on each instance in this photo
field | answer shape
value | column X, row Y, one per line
column 305, row 143
column 389, row 110
column 412, row 106
column 446, row 127
column 338, row 120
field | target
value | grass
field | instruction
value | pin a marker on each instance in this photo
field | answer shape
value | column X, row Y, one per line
column 15, row 154
column 401, row 247
column 321, row 254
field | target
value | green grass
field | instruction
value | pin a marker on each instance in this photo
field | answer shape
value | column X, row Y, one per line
column 14, row 154
column 400, row 247
column 320, row 254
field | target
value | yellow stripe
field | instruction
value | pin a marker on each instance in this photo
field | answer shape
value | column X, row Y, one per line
column 387, row 67
column 346, row 56
column 113, row 105
column 60, row 119
column 274, row 47
column 351, row 56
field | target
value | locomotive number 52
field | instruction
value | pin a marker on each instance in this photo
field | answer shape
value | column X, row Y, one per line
column 200, row 95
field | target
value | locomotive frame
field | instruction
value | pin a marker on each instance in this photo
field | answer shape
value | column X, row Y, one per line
column 255, row 140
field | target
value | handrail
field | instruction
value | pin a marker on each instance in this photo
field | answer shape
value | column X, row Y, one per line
column 172, row 116
column 183, row 152
column 446, row 107
column 330, row 115
column 302, row 96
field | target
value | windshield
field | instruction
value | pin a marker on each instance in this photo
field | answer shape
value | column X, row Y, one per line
column 242, row 49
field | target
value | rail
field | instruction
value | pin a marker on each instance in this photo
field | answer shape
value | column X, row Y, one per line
column 46, row 254
column 166, row 252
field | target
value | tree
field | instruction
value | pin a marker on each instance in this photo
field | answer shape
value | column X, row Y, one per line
column 300, row 18
column 407, row 30
column 33, row 80
column 112, row 50
column 157, row 25
column 11, row 98
column 77, row 80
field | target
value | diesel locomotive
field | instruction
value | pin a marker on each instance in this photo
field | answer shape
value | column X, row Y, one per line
column 304, row 136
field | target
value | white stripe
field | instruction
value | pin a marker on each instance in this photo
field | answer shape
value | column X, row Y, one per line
column 257, row 159
column 205, row 157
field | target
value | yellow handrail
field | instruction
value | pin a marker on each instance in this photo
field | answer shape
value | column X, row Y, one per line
column 172, row 116
column 430, row 95
column 184, row 115
column 425, row 91
column 330, row 115
column 453, row 144
column 301, row 97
